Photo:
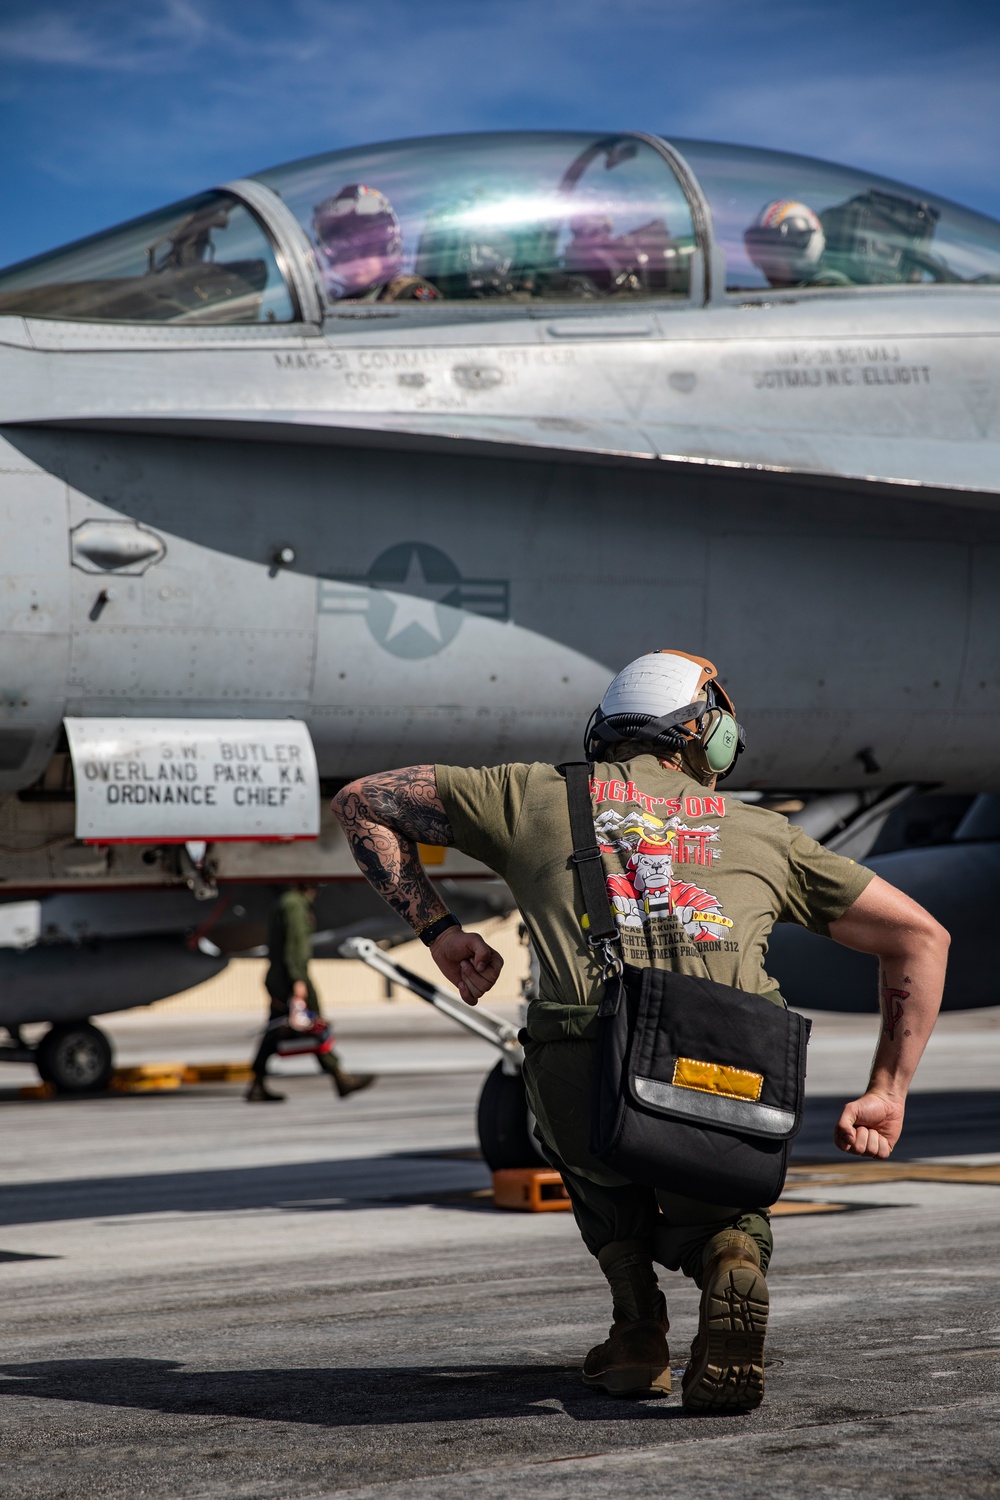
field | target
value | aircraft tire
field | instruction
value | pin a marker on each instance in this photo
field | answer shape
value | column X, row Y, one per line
column 504, row 1122
column 75, row 1057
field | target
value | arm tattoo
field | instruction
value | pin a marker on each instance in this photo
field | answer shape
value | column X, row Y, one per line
column 407, row 801
column 893, row 1007
column 384, row 818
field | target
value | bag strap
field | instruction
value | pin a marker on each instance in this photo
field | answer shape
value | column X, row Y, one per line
column 601, row 927
column 586, row 855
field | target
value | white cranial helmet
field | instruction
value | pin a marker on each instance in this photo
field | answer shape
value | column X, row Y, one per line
column 670, row 699
column 656, row 684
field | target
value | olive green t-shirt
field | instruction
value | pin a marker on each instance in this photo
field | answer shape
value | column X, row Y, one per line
column 696, row 879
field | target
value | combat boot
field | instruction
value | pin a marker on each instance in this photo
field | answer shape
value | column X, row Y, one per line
column 634, row 1359
column 351, row 1083
column 259, row 1093
column 725, row 1373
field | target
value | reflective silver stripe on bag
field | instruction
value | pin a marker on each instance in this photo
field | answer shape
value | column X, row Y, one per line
column 715, row 1109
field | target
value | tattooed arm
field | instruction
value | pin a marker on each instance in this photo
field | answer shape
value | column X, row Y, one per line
column 912, row 949
column 384, row 818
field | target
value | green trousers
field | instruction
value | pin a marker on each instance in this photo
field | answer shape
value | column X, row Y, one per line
column 609, row 1208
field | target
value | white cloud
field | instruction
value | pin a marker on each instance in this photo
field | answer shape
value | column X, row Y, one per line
column 116, row 38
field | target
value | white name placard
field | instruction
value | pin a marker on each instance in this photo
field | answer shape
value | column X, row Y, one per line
column 181, row 780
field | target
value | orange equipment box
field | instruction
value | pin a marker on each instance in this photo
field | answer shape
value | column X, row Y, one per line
column 533, row 1190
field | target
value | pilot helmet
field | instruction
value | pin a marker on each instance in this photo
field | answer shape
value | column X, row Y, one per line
column 359, row 239
column 786, row 242
column 674, row 701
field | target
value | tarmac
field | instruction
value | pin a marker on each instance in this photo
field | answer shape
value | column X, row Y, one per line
column 207, row 1299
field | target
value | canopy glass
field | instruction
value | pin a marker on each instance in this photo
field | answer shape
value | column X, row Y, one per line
column 791, row 221
column 515, row 218
column 560, row 217
column 205, row 260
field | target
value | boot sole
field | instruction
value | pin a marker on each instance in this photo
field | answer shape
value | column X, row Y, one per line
column 729, row 1375
column 631, row 1380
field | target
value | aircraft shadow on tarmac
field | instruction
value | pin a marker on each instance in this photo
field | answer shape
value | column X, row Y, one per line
column 943, row 1124
column 358, row 1396
column 299, row 1187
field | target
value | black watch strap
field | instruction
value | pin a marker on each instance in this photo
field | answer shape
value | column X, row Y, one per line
column 433, row 930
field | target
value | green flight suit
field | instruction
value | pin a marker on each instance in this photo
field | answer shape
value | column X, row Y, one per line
column 289, row 945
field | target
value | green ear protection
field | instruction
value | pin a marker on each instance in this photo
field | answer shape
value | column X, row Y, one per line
column 706, row 731
column 720, row 741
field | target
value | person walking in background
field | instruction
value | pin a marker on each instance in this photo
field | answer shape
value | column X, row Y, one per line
column 289, row 945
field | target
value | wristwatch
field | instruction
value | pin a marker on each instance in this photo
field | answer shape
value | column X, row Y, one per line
column 433, row 930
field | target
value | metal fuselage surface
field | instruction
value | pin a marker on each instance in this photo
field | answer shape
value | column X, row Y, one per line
column 469, row 570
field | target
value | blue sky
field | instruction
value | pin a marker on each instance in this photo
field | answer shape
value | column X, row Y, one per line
column 112, row 107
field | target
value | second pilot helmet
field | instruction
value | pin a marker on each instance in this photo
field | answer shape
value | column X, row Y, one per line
column 786, row 242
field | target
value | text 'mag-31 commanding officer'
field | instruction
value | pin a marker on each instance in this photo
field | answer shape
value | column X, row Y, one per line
column 696, row 880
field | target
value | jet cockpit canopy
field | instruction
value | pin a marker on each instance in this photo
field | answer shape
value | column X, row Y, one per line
column 507, row 219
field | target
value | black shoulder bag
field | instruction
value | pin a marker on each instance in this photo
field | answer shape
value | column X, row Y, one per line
column 698, row 1088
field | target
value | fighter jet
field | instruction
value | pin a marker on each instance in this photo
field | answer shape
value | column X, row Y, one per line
column 396, row 453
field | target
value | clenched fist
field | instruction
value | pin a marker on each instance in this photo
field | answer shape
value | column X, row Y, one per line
column 467, row 961
column 869, row 1126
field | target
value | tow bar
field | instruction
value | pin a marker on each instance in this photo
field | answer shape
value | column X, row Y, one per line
column 494, row 1029
column 522, row 1179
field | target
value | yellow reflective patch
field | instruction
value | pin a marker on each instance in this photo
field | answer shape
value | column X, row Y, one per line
column 714, row 1078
